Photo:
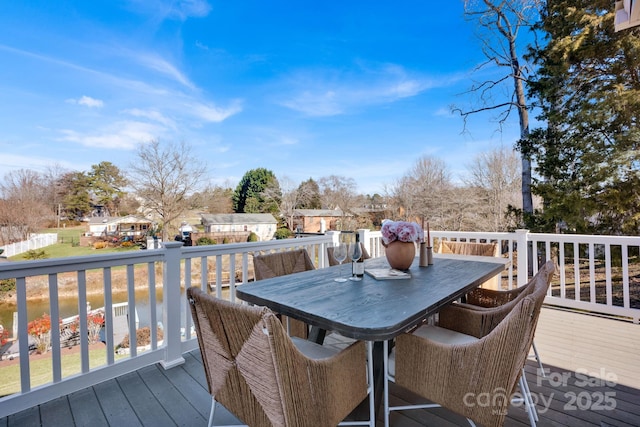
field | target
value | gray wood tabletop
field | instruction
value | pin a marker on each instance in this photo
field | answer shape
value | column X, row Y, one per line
column 370, row 309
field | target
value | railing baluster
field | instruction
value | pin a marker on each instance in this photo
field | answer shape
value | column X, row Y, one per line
column 54, row 309
column 232, row 277
column 108, row 315
column 576, row 270
column 131, row 313
column 84, row 329
column 153, row 317
column 625, row 276
column 592, row 273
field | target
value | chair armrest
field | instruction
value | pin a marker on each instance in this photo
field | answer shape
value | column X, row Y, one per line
column 490, row 297
column 475, row 321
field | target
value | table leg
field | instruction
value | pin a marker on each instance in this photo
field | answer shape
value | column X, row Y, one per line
column 317, row 335
column 378, row 374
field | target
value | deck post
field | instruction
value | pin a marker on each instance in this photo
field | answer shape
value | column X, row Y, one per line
column 522, row 239
column 171, row 302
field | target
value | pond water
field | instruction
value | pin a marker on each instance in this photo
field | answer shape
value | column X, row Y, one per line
column 69, row 307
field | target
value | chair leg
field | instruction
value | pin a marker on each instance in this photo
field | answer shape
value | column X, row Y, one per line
column 528, row 401
column 213, row 410
column 535, row 352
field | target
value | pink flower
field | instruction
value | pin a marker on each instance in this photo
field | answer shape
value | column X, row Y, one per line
column 402, row 231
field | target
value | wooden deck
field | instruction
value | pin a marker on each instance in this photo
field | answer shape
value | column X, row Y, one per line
column 566, row 341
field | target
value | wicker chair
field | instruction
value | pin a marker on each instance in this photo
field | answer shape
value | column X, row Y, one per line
column 451, row 367
column 334, row 261
column 482, row 298
column 473, row 248
column 281, row 264
column 265, row 378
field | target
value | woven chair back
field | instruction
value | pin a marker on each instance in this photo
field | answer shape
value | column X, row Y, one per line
column 476, row 249
column 469, row 248
column 256, row 371
column 281, row 264
column 453, row 375
column 237, row 357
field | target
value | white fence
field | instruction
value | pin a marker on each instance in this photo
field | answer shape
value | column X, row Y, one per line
column 36, row 241
column 596, row 273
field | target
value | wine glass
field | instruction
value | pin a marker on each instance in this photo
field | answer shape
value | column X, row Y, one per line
column 340, row 254
column 355, row 252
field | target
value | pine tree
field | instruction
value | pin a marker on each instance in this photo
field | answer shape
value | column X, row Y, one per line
column 588, row 85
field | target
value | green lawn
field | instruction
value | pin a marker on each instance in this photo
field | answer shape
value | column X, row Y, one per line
column 68, row 239
column 41, row 369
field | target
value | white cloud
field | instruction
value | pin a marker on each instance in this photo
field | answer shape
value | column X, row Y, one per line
column 174, row 9
column 124, row 135
column 446, row 112
column 211, row 113
column 87, row 101
column 11, row 162
column 153, row 115
column 331, row 92
column 164, row 67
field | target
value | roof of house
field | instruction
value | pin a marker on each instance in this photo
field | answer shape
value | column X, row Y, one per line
column 238, row 218
column 117, row 220
column 319, row 212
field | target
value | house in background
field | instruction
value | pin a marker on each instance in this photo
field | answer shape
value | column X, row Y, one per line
column 129, row 225
column 317, row 220
column 238, row 226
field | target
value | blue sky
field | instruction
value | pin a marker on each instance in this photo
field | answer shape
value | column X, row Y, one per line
column 360, row 89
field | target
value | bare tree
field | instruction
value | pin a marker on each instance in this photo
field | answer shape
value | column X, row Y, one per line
column 24, row 209
column 288, row 196
column 217, row 199
column 499, row 25
column 163, row 177
column 55, row 194
column 496, row 177
column 340, row 192
column 423, row 191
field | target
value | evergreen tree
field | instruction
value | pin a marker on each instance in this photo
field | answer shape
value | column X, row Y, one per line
column 310, row 195
column 588, row 85
column 248, row 197
column 107, row 186
column 77, row 202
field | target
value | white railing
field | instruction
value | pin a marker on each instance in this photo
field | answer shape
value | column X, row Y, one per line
column 595, row 273
column 36, row 241
column 221, row 268
column 178, row 267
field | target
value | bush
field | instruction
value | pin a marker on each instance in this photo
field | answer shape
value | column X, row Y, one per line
column 143, row 337
column 203, row 241
column 226, row 240
column 253, row 237
column 7, row 286
column 36, row 254
column 100, row 245
column 282, row 233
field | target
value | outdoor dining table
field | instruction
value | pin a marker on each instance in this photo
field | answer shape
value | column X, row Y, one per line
column 371, row 309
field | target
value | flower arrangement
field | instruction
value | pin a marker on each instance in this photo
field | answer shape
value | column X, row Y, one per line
column 402, row 231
